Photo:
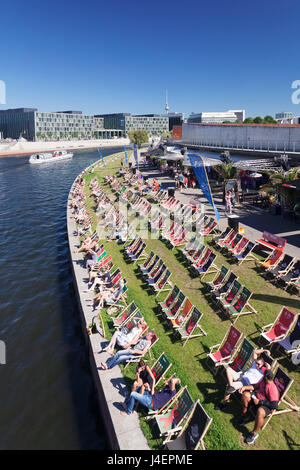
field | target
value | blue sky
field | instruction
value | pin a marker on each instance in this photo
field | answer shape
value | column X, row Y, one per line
column 121, row 56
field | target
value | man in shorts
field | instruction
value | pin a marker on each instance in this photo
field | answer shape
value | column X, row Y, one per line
column 265, row 397
column 236, row 380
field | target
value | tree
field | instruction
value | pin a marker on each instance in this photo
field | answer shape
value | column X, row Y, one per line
column 226, row 171
column 166, row 134
column 275, row 184
column 227, row 122
column 269, row 120
column 248, row 120
column 138, row 137
column 258, row 120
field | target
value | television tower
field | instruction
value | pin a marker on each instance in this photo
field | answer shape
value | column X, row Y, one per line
column 167, row 106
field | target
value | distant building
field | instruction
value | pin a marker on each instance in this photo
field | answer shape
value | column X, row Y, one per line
column 154, row 124
column 284, row 118
column 217, row 118
column 34, row 125
column 175, row 119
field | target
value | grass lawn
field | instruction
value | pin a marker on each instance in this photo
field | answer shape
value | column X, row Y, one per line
column 189, row 362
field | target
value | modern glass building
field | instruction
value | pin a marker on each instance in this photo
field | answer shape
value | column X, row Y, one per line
column 18, row 122
column 154, row 124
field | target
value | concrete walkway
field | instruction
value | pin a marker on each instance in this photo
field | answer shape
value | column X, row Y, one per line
column 124, row 432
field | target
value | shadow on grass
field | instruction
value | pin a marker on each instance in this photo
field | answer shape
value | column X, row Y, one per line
column 292, row 445
column 277, row 299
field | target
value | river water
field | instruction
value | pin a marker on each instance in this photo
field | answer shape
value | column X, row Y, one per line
column 47, row 395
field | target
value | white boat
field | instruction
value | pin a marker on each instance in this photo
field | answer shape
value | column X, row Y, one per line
column 50, row 157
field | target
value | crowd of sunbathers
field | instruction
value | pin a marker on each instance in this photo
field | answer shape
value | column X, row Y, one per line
column 255, row 385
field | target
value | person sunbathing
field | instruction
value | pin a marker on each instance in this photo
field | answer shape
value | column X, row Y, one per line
column 125, row 338
column 102, row 278
column 144, row 379
column 153, row 401
column 139, row 349
column 236, row 380
column 113, row 294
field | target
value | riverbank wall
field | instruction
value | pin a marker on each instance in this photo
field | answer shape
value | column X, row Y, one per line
column 124, row 433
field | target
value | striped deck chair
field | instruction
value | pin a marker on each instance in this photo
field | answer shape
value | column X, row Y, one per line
column 227, row 300
column 140, row 356
column 187, row 331
column 246, row 254
column 282, row 267
column 173, row 311
column 209, row 229
column 201, row 259
column 283, row 382
column 292, row 276
column 191, row 436
column 163, row 283
column 221, row 236
column 124, row 315
column 132, row 322
column 155, row 270
column 139, row 254
column 242, row 357
column 291, row 343
column 233, row 244
column 241, row 246
column 131, row 244
column 195, row 255
column 280, row 328
column 208, row 267
column 219, row 279
column 159, row 273
column 169, row 420
column 225, row 350
column 179, row 239
column 191, row 245
column 160, row 368
column 167, row 303
column 150, row 267
column 183, row 315
column 147, row 261
column 237, row 308
column 228, row 239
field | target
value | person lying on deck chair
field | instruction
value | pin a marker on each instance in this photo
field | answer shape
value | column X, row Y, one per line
column 153, row 401
column 139, row 349
column 102, row 280
column 125, row 338
column 236, row 380
column 113, row 294
column 265, row 397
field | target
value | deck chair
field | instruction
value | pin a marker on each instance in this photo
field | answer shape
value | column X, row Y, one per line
column 150, row 267
column 225, row 350
column 221, row 236
column 280, row 328
column 187, row 331
column 173, row 311
column 191, row 436
column 169, row 420
column 283, row 383
column 163, row 283
column 182, row 315
column 155, row 279
column 121, row 299
column 271, row 260
column 201, row 260
column 124, row 315
column 242, row 358
column 142, row 356
column 167, row 303
column 281, row 268
column 227, row 300
column 246, row 254
column 218, row 293
column 228, row 239
column 233, row 244
column 140, row 254
column 132, row 322
column 195, row 255
column 291, row 343
column 237, row 309
column 240, row 247
column 291, row 276
column 147, row 261
column 160, row 368
column 219, row 279
column 155, row 270
column 208, row 267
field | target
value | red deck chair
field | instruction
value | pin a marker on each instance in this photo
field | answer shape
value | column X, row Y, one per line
column 279, row 329
column 225, row 350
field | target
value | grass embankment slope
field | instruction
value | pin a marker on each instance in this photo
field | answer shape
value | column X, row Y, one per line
column 189, row 362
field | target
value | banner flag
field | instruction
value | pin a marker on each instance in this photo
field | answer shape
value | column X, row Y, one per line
column 101, row 156
column 200, row 172
column 126, row 156
column 135, row 154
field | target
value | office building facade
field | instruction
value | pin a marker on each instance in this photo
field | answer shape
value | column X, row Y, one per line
column 217, row 118
column 153, row 124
